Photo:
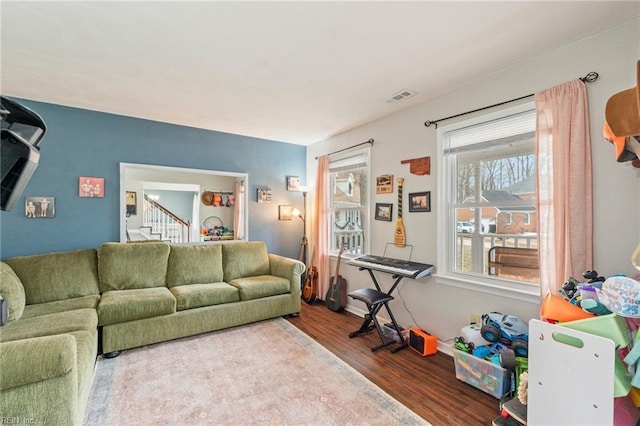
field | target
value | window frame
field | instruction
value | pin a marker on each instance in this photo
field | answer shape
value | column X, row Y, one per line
column 365, row 209
column 446, row 221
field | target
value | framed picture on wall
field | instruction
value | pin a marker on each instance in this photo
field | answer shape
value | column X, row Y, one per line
column 132, row 203
column 264, row 195
column 293, row 183
column 420, row 201
column 384, row 211
column 285, row 212
column 384, row 184
column 90, row 187
column 40, row 207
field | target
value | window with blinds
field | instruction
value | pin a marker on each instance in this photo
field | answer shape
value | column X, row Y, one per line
column 489, row 182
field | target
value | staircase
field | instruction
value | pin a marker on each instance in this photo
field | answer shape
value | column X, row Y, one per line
column 161, row 224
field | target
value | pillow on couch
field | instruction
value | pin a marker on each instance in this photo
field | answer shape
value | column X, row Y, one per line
column 194, row 265
column 123, row 266
column 11, row 291
column 245, row 259
column 57, row 276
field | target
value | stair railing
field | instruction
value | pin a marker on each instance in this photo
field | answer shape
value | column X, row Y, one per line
column 164, row 223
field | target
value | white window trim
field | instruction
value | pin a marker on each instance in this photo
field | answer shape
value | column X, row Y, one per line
column 525, row 292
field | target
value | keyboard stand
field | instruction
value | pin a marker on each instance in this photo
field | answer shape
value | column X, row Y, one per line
column 375, row 299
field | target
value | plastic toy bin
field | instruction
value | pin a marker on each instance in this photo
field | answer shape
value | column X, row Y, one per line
column 482, row 374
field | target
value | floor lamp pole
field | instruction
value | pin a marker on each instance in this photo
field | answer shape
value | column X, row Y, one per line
column 304, row 227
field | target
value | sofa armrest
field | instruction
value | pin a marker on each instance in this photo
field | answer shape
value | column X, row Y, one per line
column 288, row 268
column 36, row 359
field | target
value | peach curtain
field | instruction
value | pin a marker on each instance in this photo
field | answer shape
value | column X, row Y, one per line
column 564, row 188
column 320, row 230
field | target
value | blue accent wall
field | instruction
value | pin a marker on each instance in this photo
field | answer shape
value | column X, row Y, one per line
column 87, row 143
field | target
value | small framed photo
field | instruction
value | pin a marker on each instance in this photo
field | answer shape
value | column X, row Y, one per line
column 384, row 184
column 263, row 195
column 40, row 207
column 384, row 211
column 285, row 212
column 132, row 203
column 90, row 187
column 293, row 183
column 420, row 201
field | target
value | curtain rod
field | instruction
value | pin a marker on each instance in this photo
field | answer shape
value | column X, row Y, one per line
column 370, row 141
column 589, row 78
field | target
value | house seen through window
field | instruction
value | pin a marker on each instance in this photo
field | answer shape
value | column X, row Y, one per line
column 489, row 169
column 349, row 180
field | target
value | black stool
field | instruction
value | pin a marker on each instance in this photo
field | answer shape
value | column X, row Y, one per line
column 375, row 300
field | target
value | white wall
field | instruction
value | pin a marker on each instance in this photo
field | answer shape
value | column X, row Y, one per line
column 441, row 309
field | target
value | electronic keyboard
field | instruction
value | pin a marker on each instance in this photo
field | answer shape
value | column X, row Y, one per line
column 400, row 267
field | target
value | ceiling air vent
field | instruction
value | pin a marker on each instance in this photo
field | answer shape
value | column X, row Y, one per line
column 402, row 95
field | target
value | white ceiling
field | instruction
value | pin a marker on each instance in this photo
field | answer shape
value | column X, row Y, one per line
column 296, row 72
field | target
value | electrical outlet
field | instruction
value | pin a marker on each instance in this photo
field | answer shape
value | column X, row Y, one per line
column 474, row 319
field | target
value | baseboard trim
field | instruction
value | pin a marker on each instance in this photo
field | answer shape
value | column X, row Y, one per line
column 444, row 347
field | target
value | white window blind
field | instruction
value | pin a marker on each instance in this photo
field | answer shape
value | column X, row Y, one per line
column 490, row 132
column 348, row 163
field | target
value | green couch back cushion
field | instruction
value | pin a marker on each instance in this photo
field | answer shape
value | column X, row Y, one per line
column 12, row 292
column 125, row 266
column 57, row 276
column 245, row 259
column 194, row 265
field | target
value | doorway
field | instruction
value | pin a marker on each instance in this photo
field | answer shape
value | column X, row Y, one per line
column 141, row 178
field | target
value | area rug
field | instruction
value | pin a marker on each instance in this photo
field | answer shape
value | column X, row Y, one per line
column 263, row 373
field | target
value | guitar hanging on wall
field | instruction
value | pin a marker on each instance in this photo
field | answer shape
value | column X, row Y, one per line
column 399, row 237
column 336, row 297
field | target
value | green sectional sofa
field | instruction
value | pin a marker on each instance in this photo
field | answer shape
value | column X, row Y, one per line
column 66, row 308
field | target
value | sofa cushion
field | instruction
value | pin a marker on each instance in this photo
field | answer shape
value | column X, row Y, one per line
column 57, row 276
column 12, row 292
column 245, row 259
column 194, row 265
column 84, row 302
column 118, row 306
column 261, row 286
column 124, row 266
column 198, row 295
column 47, row 325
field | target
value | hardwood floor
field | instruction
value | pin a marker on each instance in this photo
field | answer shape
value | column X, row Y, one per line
column 426, row 385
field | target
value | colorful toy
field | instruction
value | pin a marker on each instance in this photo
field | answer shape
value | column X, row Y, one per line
column 508, row 329
column 460, row 344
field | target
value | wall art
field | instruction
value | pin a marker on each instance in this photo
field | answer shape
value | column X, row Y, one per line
column 384, row 211
column 285, row 212
column 419, row 166
column 263, row 195
column 91, row 187
column 293, row 183
column 384, row 184
column 40, row 207
column 420, row 202
column 132, row 203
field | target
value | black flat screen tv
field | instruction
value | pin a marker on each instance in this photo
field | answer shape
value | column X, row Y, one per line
column 21, row 130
